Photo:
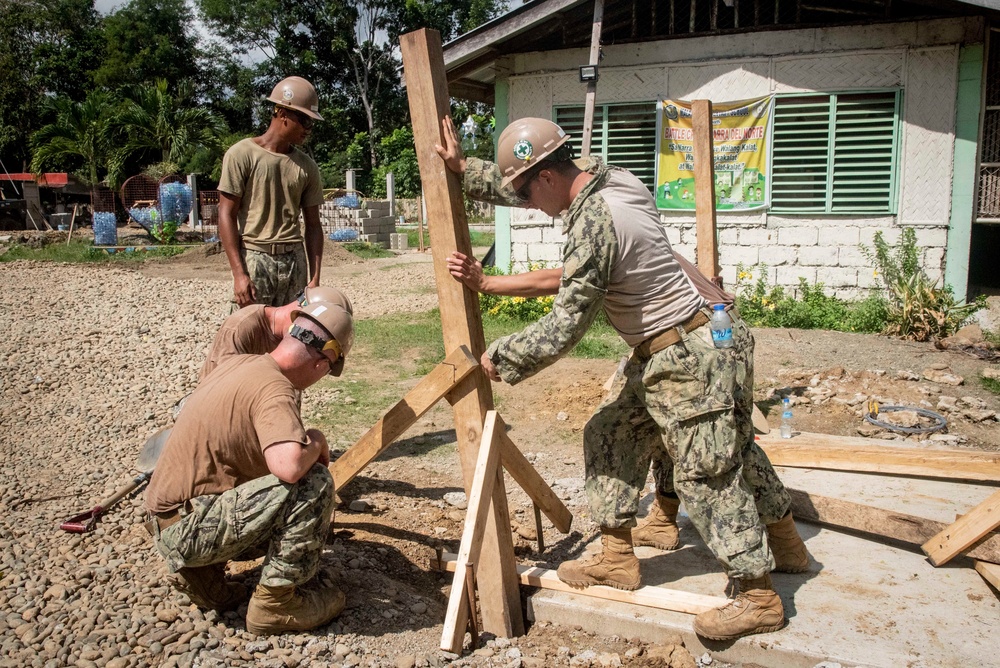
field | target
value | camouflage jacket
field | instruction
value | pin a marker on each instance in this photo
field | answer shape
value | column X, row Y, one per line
column 587, row 256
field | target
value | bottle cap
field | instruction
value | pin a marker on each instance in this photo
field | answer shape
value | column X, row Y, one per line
column 719, row 307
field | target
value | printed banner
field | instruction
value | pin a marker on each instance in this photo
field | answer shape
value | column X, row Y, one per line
column 740, row 132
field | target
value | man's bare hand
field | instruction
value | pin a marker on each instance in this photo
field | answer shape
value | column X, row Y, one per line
column 467, row 270
column 316, row 436
column 489, row 369
column 451, row 152
column 244, row 291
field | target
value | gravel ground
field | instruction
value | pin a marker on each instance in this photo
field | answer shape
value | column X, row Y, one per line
column 92, row 359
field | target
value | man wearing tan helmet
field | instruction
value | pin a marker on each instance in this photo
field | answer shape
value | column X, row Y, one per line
column 678, row 399
column 258, row 329
column 240, row 470
column 266, row 183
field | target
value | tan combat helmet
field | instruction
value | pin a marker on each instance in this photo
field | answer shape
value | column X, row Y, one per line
column 298, row 94
column 524, row 143
column 322, row 293
column 338, row 324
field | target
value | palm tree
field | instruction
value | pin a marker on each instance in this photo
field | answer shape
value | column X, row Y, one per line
column 155, row 120
column 81, row 132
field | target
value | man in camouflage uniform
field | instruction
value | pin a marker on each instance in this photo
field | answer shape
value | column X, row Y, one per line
column 266, row 183
column 240, row 469
column 677, row 392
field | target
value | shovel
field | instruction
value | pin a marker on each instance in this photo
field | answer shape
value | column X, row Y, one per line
column 146, row 462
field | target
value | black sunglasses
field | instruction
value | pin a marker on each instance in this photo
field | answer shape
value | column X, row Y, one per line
column 524, row 192
column 305, row 121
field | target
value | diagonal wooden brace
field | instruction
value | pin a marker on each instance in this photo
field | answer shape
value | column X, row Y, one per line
column 403, row 415
column 969, row 528
column 521, row 470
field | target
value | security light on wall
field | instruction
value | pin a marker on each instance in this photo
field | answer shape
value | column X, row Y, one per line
column 588, row 73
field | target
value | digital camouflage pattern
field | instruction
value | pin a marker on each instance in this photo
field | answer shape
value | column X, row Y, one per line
column 295, row 519
column 689, row 405
column 278, row 278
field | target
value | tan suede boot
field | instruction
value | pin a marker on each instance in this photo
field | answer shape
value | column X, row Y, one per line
column 659, row 528
column 275, row 610
column 756, row 609
column 616, row 565
column 207, row 588
column 790, row 555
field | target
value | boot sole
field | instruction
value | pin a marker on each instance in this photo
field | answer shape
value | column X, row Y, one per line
column 658, row 546
column 761, row 629
column 791, row 569
column 593, row 583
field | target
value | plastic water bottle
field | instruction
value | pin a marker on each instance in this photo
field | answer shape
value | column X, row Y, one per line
column 786, row 418
column 722, row 327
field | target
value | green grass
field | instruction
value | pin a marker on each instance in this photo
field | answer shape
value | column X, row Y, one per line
column 991, row 384
column 80, row 252
column 478, row 239
column 367, row 251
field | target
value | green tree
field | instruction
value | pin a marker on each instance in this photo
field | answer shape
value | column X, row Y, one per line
column 147, row 40
column 78, row 140
column 165, row 126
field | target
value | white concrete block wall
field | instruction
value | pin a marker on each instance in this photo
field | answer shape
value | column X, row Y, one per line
column 921, row 58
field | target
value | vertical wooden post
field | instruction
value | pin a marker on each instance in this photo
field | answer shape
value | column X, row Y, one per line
column 595, row 57
column 704, row 188
column 461, row 321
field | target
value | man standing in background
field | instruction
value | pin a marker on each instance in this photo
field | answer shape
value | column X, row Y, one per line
column 266, row 183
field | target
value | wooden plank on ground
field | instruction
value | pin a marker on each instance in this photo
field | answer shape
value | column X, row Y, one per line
column 487, row 467
column 847, row 453
column 990, row 573
column 525, row 475
column 901, row 527
column 403, row 415
column 968, row 529
column 704, row 189
column 461, row 320
column 650, row 597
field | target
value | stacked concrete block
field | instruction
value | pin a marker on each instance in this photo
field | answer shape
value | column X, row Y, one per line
column 398, row 242
column 371, row 222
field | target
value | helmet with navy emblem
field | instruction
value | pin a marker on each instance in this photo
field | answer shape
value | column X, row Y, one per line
column 525, row 143
column 298, row 94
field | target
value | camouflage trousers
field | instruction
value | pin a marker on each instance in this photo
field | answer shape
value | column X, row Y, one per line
column 688, row 409
column 294, row 519
column 278, row 279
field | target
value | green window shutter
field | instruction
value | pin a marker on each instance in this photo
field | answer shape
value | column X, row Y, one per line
column 631, row 143
column 800, row 166
column 863, row 150
column 835, row 153
column 624, row 135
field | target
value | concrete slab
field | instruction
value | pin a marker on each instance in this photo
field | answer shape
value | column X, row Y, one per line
column 863, row 603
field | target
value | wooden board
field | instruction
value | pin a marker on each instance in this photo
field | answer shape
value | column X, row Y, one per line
column 403, row 415
column 901, row 527
column 704, row 188
column 521, row 470
column 487, row 468
column 846, row 453
column 990, row 573
column 650, row 597
column 461, row 319
column 957, row 537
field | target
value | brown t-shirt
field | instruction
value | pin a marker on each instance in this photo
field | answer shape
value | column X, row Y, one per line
column 273, row 187
column 219, row 438
column 246, row 332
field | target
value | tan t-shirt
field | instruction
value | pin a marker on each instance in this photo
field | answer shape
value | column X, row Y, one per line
column 219, row 438
column 273, row 187
column 246, row 332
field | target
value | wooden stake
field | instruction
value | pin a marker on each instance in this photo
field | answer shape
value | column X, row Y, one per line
column 956, row 537
column 648, row 596
column 461, row 320
column 403, row 415
column 896, row 526
column 591, row 98
column 470, row 588
column 72, row 219
column 845, row 453
column 487, row 468
column 538, row 528
column 704, row 189
column 420, row 222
